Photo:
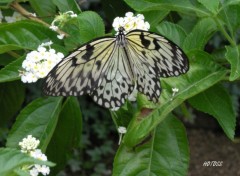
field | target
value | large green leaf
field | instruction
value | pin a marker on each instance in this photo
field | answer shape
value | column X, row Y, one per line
column 87, row 26
column 11, row 71
column 12, row 159
column 5, row 3
column 233, row 57
column 183, row 6
column 25, row 34
column 38, row 119
column 212, row 6
column 217, row 102
column 200, row 35
column 67, row 134
column 66, row 5
column 11, row 99
column 164, row 152
column 155, row 17
column 203, row 74
column 173, row 32
column 44, row 7
column 230, row 18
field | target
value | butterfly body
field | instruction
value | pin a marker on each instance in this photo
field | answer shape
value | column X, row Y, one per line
column 109, row 68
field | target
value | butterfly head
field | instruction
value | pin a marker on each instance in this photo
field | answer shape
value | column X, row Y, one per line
column 121, row 30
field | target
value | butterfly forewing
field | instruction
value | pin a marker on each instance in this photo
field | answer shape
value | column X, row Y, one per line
column 80, row 72
column 162, row 55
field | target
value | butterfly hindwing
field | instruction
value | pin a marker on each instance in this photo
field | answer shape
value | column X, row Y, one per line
column 154, row 57
column 117, row 82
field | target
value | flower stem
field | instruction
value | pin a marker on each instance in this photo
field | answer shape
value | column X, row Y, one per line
column 30, row 16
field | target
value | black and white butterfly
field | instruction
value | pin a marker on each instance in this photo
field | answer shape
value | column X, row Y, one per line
column 108, row 68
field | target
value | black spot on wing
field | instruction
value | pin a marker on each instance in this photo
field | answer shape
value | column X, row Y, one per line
column 144, row 41
column 155, row 42
column 98, row 63
column 89, row 52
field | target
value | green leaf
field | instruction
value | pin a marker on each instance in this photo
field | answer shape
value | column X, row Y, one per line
column 233, row 57
column 217, row 102
column 230, row 2
column 11, row 99
column 12, row 159
column 172, row 31
column 229, row 18
column 200, row 35
column 87, row 26
column 183, row 6
column 8, row 47
column 44, row 7
column 66, row 5
column 38, row 119
column 212, row 6
column 25, row 34
column 63, row 139
column 5, row 3
column 11, row 71
column 164, row 152
column 203, row 74
column 155, row 17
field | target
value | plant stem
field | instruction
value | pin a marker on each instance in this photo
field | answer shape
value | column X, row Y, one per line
column 231, row 41
column 14, row 54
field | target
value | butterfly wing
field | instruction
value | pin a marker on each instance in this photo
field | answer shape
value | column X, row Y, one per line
column 117, row 84
column 154, row 56
column 97, row 68
column 162, row 55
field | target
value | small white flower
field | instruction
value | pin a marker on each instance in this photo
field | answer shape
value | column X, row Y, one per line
column 53, row 27
column 41, row 47
column 33, row 14
column 121, row 130
column 130, row 22
column 29, row 143
column 60, row 36
column 38, row 155
column 34, row 172
column 174, row 90
column 44, row 169
column 73, row 15
column 15, row 17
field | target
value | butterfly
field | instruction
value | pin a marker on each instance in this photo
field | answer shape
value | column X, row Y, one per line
column 109, row 68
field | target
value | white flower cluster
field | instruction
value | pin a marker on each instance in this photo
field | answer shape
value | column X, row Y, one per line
column 15, row 17
column 29, row 145
column 39, row 63
column 130, row 22
column 60, row 20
